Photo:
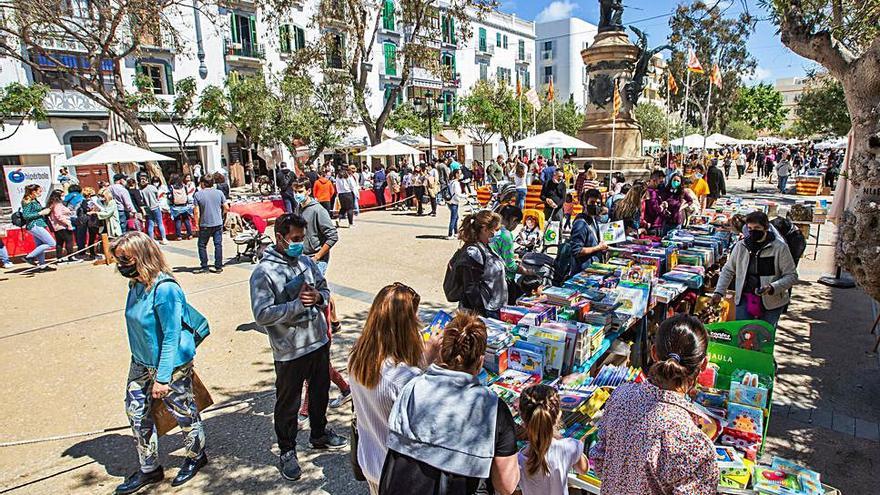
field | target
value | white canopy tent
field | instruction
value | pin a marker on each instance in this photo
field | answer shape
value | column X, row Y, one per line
column 723, row 140
column 116, row 152
column 770, row 140
column 836, row 143
column 390, row 147
column 694, row 141
column 28, row 139
column 553, row 139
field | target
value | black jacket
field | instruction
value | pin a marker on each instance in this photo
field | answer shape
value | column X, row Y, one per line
column 554, row 191
column 138, row 200
column 715, row 179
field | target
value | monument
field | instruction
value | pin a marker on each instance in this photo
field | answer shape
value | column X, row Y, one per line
column 614, row 63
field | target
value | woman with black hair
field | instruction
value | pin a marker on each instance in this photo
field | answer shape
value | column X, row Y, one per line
column 649, row 441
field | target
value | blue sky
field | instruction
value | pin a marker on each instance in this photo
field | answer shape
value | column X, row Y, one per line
column 652, row 16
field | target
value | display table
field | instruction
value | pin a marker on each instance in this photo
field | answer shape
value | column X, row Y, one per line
column 808, row 185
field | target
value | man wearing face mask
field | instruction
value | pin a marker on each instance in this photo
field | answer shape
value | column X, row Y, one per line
column 762, row 270
column 585, row 245
column 289, row 297
column 553, row 196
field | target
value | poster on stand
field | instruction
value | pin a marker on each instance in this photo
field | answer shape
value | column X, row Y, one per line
column 17, row 177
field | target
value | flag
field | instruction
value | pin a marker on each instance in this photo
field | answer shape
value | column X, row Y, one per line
column 617, row 101
column 550, row 93
column 533, row 98
column 671, row 86
column 715, row 76
column 518, row 89
column 694, row 63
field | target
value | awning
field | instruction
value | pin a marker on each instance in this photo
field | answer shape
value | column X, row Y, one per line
column 454, row 138
column 28, row 139
column 390, row 147
column 116, row 152
column 164, row 134
column 553, row 139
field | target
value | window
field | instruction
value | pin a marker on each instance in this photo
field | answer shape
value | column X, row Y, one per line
column 299, row 38
column 284, row 39
column 528, row 80
column 504, row 41
column 523, row 77
column 387, row 96
column 335, row 51
column 448, row 106
column 482, row 40
column 388, row 15
column 158, row 78
column 390, row 59
column 498, row 40
column 79, row 8
column 521, row 50
column 548, row 50
column 548, row 74
column 484, row 72
column 447, row 60
column 503, row 75
column 448, row 30
column 244, row 35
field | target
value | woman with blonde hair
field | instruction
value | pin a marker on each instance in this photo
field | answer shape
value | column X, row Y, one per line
column 162, row 352
column 106, row 211
column 629, row 209
column 389, row 353
column 482, row 277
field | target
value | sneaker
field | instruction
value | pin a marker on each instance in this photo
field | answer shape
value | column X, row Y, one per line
column 451, row 238
column 48, row 268
column 199, row 271
column 163, row 242
column 216, row 270
column 335, row 327
column 289, row 466
column 31, row 261
column 330, row 440
column 341, row 399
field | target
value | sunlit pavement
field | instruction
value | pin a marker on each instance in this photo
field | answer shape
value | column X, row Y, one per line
column 64, row 359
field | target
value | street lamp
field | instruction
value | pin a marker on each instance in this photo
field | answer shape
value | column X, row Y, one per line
column 429, row 99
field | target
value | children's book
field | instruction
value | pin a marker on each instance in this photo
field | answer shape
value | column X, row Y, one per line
column 438, row 323
column 612, row 233
column 526, row 360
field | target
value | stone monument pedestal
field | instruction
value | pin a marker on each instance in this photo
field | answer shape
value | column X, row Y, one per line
column 611, row 59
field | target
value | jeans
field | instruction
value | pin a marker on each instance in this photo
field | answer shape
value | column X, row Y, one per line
column 180, row 402
column 289, row 378
column 783, row 183
column 521, row 198
column 771, row 316
column 288, row 204
column 123, row 220
column 380, row 195
column 43, row 241
column 154, row 219
column 185, row 219
column 206, row 233
column 4, row 254
column 453, row 219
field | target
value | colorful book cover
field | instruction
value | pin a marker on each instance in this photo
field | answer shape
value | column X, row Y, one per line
column 438, row 323
column 529, row 361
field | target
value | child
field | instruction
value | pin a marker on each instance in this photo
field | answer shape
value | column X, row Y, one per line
column 545, row 463
column 568, row 210
column 530, row 237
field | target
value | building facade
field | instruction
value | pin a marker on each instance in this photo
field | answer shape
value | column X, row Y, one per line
column 791, row 88
column 558, row 56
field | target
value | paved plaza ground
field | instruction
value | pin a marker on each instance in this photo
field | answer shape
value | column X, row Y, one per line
column 64, row 359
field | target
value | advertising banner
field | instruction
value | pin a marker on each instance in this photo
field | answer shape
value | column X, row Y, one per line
column 17, row 177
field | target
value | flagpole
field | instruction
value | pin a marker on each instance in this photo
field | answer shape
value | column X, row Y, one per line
column 687, row 94
column 668, row 142
column 706, row 120
column 520, row 113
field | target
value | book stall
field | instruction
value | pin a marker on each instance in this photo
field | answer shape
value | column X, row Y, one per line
column 591, row 335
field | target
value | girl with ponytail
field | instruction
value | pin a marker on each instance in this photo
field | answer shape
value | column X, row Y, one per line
column 545, row 463
column 649, row 441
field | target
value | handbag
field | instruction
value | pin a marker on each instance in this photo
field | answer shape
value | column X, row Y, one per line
column 353, row 453
column 163, row 418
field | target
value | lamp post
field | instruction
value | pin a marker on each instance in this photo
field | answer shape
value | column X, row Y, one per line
column 429, row 100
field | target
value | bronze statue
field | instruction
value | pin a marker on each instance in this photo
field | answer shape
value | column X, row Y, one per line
column 610, row 15
column 634, row 88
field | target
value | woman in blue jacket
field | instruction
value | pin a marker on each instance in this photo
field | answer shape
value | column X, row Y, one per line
column 162, row 353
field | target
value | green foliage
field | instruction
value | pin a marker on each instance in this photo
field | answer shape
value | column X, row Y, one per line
column 821, row 110
column 760, row 106
column 317, row 114
column 245, row 103
column 853, row 23
column 181, row 112
column 656, row 126
column 477, row 112
column 569, row 118
column 740, row 130
column 715, row 39
column 23, row 102
column 405, row 119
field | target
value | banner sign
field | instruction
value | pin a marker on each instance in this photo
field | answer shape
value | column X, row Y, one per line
column 17, row 177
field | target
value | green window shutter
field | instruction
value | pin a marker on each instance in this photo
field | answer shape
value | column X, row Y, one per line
column 522, row 49
column 390, row 59
column 388, row 15
column 498, row 39
column 284, row 38
column 169, row 79
column 454, row 71
column 482, row 39
column 300, row 37
column 253, row 24
column 452, row 36
column 444, row 28
column 505, row 41
column 233, row 22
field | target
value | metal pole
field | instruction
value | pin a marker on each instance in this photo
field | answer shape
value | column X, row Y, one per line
column 430, row 132
column 684, row 120
column 706, row 122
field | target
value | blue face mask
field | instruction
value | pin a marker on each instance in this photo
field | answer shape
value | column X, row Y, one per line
column 294, row 249
column 300, row 198
column 699, row 176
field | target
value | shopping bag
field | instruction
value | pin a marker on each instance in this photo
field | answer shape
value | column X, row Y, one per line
column 163, row 418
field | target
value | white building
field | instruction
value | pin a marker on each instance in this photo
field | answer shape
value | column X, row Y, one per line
column 791, row 88
column 237, row 37
column 558, row 56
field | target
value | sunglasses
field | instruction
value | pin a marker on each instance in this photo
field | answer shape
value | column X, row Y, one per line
column 415, row 295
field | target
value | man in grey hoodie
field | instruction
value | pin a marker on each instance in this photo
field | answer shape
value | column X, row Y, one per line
column 289, row 297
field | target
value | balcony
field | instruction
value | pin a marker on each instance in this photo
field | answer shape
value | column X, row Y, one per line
column 524, row 58
column 59, row 103
column 246, row 54
column 425, row 78
column 485, row 49
column 249, row 5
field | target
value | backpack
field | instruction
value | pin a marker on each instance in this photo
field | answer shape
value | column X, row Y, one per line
column 285, row 179
column 793, row 236
column 456, row 271
column 178, row 196
column 446, row 192
column 18, row 218
column 562, row 265
column 193, row 321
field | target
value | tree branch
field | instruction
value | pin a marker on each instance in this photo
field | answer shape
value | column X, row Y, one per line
column 798, row 35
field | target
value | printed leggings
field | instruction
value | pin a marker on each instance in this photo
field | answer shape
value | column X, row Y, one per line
column 180, row 402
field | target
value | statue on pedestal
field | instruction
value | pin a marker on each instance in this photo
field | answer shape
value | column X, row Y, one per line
column 610, row 15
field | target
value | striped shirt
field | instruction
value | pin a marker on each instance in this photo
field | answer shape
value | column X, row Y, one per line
column 372, row 407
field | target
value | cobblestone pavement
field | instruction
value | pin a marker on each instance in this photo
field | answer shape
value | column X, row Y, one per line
column 64, row 356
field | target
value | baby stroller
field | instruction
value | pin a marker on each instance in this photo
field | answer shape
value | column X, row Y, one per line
column 248, row 234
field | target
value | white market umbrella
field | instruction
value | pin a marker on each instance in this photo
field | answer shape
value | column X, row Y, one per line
column 837, row 143
column 390, row 147
column 771, row 140
column 723, row 140
column 553, row 139
column 116, row 152
column 694, row 141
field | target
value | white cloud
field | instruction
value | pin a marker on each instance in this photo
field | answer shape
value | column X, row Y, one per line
column 557, row 10
column 760, row 75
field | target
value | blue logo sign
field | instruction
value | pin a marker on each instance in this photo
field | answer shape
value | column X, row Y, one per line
column 16, row 176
